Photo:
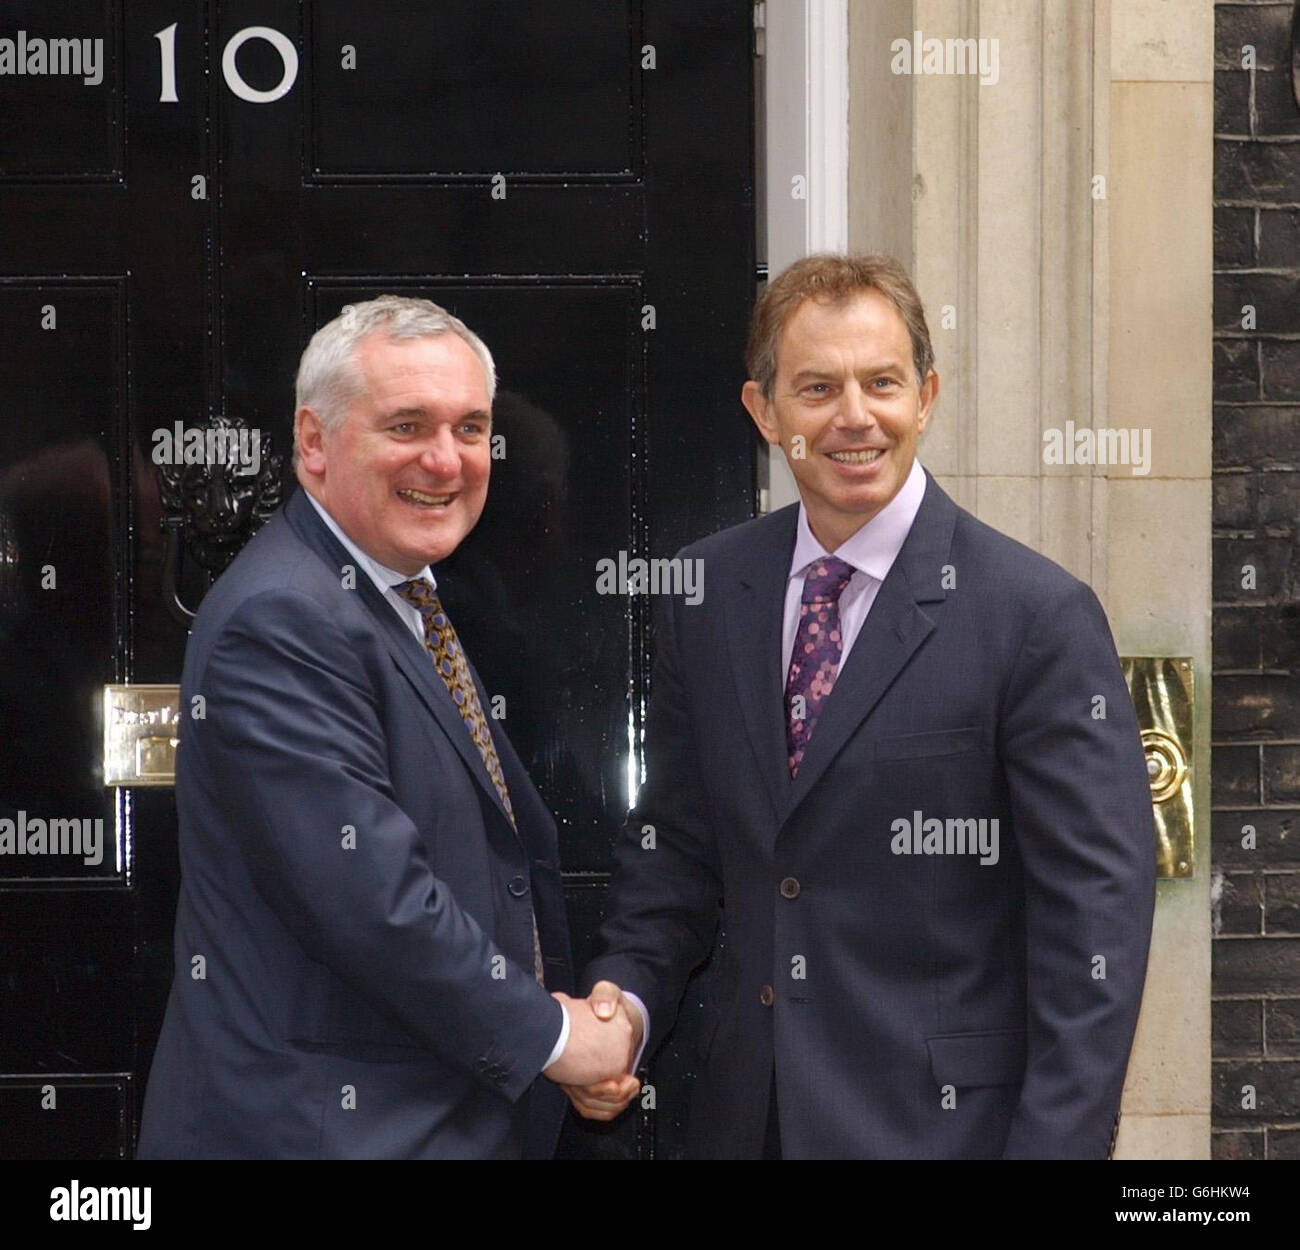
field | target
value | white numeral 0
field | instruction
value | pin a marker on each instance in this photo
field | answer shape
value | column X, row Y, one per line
column 229, row 70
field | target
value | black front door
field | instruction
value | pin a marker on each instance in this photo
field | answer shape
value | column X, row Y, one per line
column 186, row 190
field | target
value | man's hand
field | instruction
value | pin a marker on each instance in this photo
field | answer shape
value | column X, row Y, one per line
column 605, row 1099
column 601, row 1044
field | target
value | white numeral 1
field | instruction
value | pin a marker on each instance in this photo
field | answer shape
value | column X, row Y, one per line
column 167, row 42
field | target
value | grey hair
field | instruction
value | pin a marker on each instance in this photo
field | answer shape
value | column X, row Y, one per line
column 328, row 379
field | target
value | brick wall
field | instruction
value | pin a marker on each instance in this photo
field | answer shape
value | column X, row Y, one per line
column 1256, row 625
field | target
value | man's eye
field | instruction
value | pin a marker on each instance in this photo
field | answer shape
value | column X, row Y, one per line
column 471, row 429
column 404, row 427
column 882, row 382
column 818, row 388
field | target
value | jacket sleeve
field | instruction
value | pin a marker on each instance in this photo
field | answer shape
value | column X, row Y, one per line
column 294, row 740
column 1081, row 811
column 664, row 898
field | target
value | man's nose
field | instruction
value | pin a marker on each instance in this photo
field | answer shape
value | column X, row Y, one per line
column 440, row 455
column 855, row 406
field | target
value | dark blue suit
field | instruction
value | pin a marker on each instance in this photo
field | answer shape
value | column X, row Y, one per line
column 914, row 1005
column 352, row 885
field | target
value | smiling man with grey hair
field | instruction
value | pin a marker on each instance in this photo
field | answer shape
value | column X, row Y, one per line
column 371, row 914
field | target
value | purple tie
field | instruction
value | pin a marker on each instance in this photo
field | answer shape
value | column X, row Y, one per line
column 815, row 659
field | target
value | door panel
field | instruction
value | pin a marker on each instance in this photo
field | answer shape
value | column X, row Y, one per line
column 507, row 88
column 63, row 126
column 519, row 163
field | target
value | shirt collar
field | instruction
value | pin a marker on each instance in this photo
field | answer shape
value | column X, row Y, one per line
column 875, row 547
column 383, row 577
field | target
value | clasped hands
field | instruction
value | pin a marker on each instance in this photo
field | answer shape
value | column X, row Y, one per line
column 595, row 1069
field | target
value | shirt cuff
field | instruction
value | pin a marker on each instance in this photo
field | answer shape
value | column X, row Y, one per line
column 645, row 1026
column 563, row 1041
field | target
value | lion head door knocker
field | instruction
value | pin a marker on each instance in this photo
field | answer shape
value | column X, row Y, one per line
column 218, row 484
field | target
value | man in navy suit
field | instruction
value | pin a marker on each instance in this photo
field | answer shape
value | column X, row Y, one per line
column 893, row 752
column 371, row 911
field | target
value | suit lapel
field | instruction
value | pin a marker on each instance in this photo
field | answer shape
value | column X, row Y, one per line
column 410, row 656
column 754, row 608
column 895, row 627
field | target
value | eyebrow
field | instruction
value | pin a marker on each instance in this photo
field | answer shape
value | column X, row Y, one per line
column 886, row 366
column 478, row 414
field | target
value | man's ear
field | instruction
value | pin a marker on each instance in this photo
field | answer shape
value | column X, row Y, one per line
column 308, row 435
column 929, row 393
column 751, row 395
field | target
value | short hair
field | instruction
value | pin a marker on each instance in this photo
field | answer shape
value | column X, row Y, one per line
column 833, row 279
column 328, row 379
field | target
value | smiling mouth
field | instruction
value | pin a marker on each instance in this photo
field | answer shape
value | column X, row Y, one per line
column 870, row 456
column 422, row 499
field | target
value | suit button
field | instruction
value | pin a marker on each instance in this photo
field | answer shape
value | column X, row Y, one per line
column 518, row 887
column 789, row 888
column 765, row 996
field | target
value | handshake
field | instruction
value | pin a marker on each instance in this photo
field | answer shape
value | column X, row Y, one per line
column 595, row 1069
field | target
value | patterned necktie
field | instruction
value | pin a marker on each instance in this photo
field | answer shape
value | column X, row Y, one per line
column 815, row 658
column 449, row 659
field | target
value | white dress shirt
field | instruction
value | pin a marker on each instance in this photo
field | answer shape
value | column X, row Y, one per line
column 385, row 580
column 871, row 551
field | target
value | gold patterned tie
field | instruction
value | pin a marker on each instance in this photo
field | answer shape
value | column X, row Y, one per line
column 449, row 659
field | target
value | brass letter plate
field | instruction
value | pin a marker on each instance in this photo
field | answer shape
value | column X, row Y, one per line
column 141, row 724
column 1162, row 692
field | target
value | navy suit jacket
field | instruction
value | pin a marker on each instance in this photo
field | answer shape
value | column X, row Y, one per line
column 914, row 1005
column 354, row 957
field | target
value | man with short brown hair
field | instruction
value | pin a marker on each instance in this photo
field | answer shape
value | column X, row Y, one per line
column 893, row 753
